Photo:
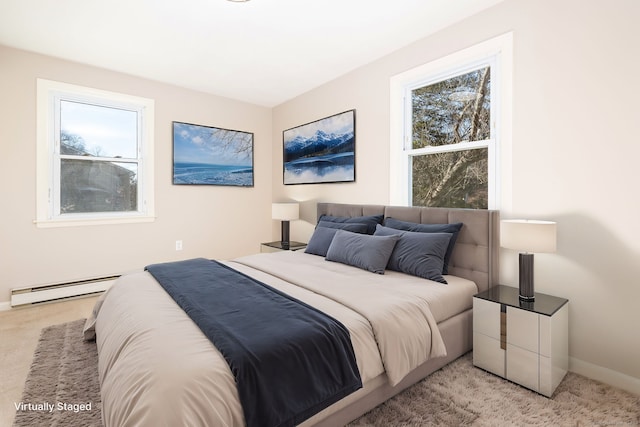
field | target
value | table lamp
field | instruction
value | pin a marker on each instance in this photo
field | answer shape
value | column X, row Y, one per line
column 285, row 212
column 528, row 237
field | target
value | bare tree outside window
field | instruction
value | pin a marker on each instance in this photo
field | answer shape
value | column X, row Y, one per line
column 447, row 116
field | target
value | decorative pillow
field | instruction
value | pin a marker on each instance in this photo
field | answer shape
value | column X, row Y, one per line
column 370, row 220
column 362, row 250
column 418, row 254
column 453, row 228
column 349, row 226
column 323, row 235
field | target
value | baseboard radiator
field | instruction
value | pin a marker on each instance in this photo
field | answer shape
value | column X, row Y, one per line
column 58, row 291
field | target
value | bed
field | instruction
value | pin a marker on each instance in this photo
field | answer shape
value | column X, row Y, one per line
column 156, row 367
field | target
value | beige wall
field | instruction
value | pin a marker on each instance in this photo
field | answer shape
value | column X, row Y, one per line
column 574, row 157
column 216, row 222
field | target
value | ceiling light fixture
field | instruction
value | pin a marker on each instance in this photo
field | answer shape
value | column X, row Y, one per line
column 239, row 1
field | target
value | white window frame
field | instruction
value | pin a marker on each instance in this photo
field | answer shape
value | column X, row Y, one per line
column 49, row 94
column 496, row 53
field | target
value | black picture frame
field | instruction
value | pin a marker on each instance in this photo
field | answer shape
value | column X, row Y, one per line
column 208, row 155
column 320, row 152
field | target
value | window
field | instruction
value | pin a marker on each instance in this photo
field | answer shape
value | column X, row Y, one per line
column 95, row 162
column 447, row 125
column 450, row 141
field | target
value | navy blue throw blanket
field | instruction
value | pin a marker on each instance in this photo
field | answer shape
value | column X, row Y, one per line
column 289, row 360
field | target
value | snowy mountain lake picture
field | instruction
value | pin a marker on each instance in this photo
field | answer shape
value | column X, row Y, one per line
column 321, row 151
column 212, row 156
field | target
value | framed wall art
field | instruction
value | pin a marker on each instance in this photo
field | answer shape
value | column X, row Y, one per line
column 207, row 155
column 321, row 151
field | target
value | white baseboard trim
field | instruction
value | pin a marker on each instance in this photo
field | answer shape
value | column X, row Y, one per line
column 5, row 305
column 605, row 375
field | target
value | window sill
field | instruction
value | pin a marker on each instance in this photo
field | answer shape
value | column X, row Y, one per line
column 81, row 222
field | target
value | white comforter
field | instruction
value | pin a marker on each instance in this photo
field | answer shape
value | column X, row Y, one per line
column 156, row 367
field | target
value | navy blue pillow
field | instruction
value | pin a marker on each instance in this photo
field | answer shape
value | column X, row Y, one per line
column 323, row 235
column 370, row 220
column 356, row 227
column 362, row 250
column 418, row 254
column 453, row 228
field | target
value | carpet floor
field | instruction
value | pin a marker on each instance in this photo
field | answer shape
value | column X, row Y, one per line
column 64, row 376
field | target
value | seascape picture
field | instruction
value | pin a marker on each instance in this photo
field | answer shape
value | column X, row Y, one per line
column 320, row 152
column 208, row 155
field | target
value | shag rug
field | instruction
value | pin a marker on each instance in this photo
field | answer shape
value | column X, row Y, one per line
column 62, row 387
column 64, row 371
column 461, row 395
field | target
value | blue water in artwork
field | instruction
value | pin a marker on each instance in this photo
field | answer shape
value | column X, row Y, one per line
column 199, row 173
column 328, row 168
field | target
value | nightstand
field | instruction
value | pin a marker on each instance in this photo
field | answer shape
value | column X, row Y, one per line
column 524, row 342
column 277, row 246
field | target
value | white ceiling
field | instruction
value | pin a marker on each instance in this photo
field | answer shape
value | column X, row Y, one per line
column 263, row 51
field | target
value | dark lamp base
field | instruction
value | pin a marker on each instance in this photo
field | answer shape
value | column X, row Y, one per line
column 525, row 284
column 284, row 238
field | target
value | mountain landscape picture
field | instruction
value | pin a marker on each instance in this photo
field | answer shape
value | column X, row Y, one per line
column 321, row 151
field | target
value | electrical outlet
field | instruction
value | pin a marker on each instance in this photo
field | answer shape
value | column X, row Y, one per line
column 178, row 245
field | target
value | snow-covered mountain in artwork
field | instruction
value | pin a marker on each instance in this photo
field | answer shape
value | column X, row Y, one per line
column 321, row 143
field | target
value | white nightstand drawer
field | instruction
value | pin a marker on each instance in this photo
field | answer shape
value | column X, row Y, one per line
column 488, row 355
column 486, row 318
column 522, row 329
column 522, row 367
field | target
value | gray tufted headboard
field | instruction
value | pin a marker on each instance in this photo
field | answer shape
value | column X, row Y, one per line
column 475, row 255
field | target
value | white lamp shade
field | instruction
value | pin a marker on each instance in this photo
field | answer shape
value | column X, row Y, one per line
column 285, row 211
column 528, row 235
